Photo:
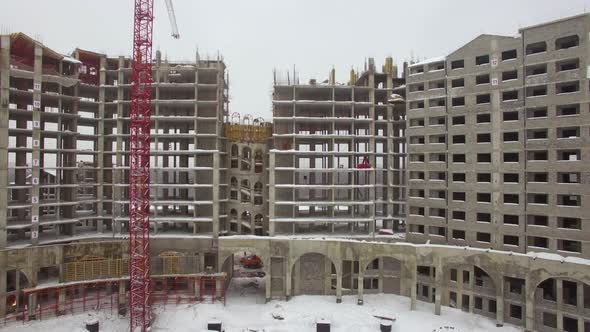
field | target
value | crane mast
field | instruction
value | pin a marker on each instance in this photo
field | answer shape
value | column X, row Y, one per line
column 139, row 168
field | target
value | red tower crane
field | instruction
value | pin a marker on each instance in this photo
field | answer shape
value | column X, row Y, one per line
column 139, row 163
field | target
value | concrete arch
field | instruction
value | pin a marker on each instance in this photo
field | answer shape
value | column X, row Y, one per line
column 317, row 277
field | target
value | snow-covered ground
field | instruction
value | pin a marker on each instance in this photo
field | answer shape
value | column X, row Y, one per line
column 246, row 311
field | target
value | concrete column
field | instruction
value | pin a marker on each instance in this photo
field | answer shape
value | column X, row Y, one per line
column 197, row 286
column 361, row 279
column 413, row 280
column 36, row 153
column 288, row 279
column 529, row 305
column 271, row 194
column 61, row 302
column 559, row 300
column 4, row 103
column 500, row 302
column 218, row 288
column 32, row 306
column 268, row 279
column 100, row 145
column 216, row 173
column 440, row 289
column 339, row 283
column 122, row 294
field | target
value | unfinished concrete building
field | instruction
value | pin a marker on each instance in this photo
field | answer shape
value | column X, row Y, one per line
column 337, row 163
column 498, row 159
column 65, row 142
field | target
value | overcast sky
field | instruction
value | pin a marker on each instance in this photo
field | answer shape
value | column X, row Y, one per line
column 256, row 36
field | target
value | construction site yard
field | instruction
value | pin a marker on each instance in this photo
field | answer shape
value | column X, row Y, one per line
column 246, row 311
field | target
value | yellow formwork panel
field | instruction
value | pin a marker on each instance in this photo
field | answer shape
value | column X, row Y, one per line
column 248, row 133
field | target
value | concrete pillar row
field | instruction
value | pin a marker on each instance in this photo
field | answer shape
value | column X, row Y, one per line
column 559, row 300
column 500, row 302
column 339, row 283
column 529, row 305
column 361, row 289
column 438, row 282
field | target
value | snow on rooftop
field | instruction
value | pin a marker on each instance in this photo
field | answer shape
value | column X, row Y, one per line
column 431, row 60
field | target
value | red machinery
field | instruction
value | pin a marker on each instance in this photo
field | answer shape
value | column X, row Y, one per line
column 251, row 262
column 139, row 164
column 365, row 164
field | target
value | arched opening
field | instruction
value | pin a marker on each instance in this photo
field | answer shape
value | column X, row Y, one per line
column 233, row 220
column 245, row 269
column 246, row 159
column 258, row 191
column 258, row 162
column 245, row 191
column 572, row 296
column 313, row 274
column 259, row 225
column 246, row 222
column 233, row 195
column 234, row 156
column 382, row 275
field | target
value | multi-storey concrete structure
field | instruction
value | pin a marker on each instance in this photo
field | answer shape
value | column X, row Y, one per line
column 61, row 112
column 498, row 142
column 338, row 156
column 498, row 158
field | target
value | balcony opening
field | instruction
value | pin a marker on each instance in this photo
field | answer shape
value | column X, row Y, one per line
column 571, row 132
column 550, row 320
column 417, row 175
column 458, row 83
column 416, row 70
column 571, row 246
column 511, row 240
column 484, row 217
column 511, row 157
column 417, row 140
column 459, row 101
column 458, row 139
column 484, row 138
column 540, row 112
column 482, row 60
column 437, row 231
column 510, row 219
column 567, row 87
column 568, row 110
column 538, row 199
column 538, row 156
column 417, row 158
column 568, row 178
column 417, row 229
column 417, row 123
column 484, row 118
column 510, row 136
column 438, row 194
column 536, row 91
column 539, row 177
column 537, row 134
column 484, row 157
column 437, row 139
column 458, row 120
column 569, row 200
column 510, row 95
column 539, row 69
column 438, row 176
column 516, row 311
column 536, row 220
column 459, row 196
column 459, row 215
column 433, row 85
column 568, row 155
column 417, row 211
column 457, row 64
column 417, row 193
column 436, row 66
column 438, row 157
column 511, row 178
column 484, row 177
column 509, row 55
column 511, row 199
column 510, row 116
column 539, row 242
column 458, row 234
column 437, row 121
column 570, row 64
column 569, row 223
column 484, row 237
column 417, row 87
column 536, row 48
column 417, row 104
column 509, row 75
column 459, row 158
column 484, row 197
column 483, row 99
column 567, row 42
column 458, row 177
column 437, row 102
column 482, row 79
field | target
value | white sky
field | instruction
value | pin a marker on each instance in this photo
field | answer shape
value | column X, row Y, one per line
column 258, row 35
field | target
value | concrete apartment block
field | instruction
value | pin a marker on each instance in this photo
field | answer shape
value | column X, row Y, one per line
column 498, row 140
column 337, row 161
column 65, row 151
